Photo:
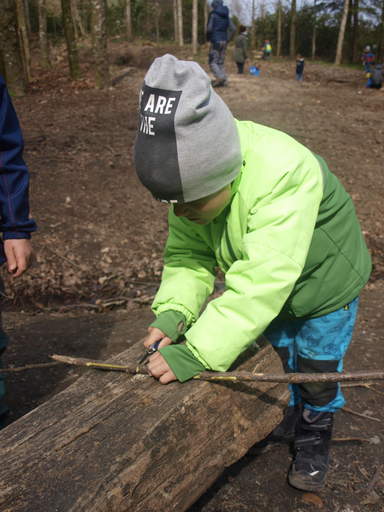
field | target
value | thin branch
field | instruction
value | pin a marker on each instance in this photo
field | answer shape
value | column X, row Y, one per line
column 235, row 376
column 30, row 367
column 359, row 414
column 375, row 477
column 63, row 257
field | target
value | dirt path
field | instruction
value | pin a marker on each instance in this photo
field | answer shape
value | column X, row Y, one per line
column 101, row 236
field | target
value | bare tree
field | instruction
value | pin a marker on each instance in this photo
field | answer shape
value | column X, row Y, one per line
column 175, row 21
column 74, row 18
column 157, row 22
column 73, row 57
column 253, row 40
column 27, row 18
column 278, row 50
column 180, row 21
column 314, row 30
column 340, row 40
column 355, row 29
column 292, row 47
column 99, row 44
column 194, row 26
column 22, row 32
column 205, row 16
column 44, row 59
column 9, row 50
column 128, row 19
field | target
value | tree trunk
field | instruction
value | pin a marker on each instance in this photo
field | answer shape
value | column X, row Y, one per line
column 74, row 18
column 117, row 442
column 314, row 30
column 205, row 18
column 278, row 50
column 180, row 21
column 23, row 39
column 340, row 40
column 194, row 26
column 348, row 35
column 157, row 22
column 43, row 41
column 99, row 44
column 355, row 29
column 175, row 21
column 292, row 48
column 253, row 40
column 73, row 57
column 27, row 18
column 128, row 19
column 10, row 52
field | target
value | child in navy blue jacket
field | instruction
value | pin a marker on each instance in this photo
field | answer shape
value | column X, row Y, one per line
column 15, row 224
column 299, row 67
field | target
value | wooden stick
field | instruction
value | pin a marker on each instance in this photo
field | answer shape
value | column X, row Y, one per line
column 30, row 367
column 375, row 477
column 233, row 376
column 359, row 414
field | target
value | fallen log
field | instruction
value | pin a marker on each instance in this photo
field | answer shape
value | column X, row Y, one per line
column 119, row 442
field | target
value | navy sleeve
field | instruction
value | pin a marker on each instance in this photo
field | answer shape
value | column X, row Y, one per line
column 209, row 26
column 232, row 29
column 14, row 176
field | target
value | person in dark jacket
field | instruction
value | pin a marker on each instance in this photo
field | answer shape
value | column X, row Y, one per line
column 15, row 224
column 240, row 55
column 218, row 25
column 377, row 77
column 299, row 67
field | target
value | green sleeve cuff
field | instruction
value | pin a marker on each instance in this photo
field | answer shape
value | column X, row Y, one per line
column 181, row 361
column 168, row 323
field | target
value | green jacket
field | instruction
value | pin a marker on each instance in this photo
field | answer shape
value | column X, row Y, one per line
column 289, row 242
column 240, row 52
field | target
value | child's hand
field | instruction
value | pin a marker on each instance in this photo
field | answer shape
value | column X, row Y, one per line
column 19, row 255
column 155, row 335
column 160, row 369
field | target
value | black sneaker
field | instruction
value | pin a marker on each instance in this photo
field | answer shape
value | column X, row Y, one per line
column 311, row 451
column 220, row 82
column 286, row 427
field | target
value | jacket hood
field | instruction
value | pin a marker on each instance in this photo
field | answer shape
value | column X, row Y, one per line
column 379, row 66
column 222, row 10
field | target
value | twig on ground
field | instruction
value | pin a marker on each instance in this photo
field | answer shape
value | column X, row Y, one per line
column 63, row 257
column 343, row 439
column 355, row 384
column 375, row 477
column 359, row 414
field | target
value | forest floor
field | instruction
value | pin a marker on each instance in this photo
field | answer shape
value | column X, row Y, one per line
column 100, row 238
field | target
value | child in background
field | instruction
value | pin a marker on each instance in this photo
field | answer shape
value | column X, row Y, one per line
column 299, row 67
column 272, row 216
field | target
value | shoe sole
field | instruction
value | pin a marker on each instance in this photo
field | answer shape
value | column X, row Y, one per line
column 298, row 483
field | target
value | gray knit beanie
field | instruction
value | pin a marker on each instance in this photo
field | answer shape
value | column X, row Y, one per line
column 187, row 144
column 216, row 3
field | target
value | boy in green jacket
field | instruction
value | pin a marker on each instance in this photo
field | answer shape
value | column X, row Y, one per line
column 271, row 215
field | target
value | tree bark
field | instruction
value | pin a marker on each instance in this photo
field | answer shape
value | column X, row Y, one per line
column 180, row 22
column 253, row 40
column 70, row 37
column 113, row 441
column 175, row 21
column 278, row 50
column 292, row 48
column 194, row 26
column 23, row 39
column 157, row 22
column 74, row 18
column 205, row 18
column 314, row 30
column 27, row 18
column 10, row 52
column 99, row 45
column 43, row 40
column 355, row 29
column 128, row 20
column 340, row 40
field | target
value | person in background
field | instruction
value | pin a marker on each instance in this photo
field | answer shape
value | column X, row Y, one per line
column 376, row 77
column 218, row 25
column 240, row 55
column 299, row 67
column 15, row 224
column 267, row 49
column 279, row 224
column 368, row 58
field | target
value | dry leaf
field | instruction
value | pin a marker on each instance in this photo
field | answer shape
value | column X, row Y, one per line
column 312, row 498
